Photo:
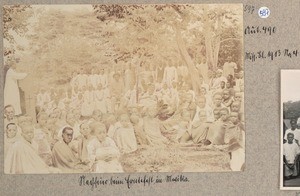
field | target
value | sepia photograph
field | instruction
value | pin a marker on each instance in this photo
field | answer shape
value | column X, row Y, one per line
column 114, row 88
column 290, row 130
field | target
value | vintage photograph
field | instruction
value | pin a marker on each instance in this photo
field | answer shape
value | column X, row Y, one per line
column 290, row 129
column 127, row 88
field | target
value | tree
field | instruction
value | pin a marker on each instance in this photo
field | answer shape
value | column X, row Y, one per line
column 170, row 20
column 15, row 22
column 65, row 41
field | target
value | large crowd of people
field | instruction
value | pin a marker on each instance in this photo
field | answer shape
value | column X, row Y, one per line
column 103, row 114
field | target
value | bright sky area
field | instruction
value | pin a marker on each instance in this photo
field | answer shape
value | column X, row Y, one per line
column 290, row 85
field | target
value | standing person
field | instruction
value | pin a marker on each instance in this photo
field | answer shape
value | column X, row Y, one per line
column 74, row 81
column 102, row 78
column 159, row 72
column 290, row 157
column 93, row 78
column 11, row 88
column 88, row 104
column 100, row 99
column 239, row 83
column 170, row 74
column 229, row 67
column 117, row 87
column 219, row 78
column 129, row 78
column 82, row 79
column 203, row 70
column 294, row 130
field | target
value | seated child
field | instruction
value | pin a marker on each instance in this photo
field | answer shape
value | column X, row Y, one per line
column 227, row 98
column 236, row 107
column 152, row 128
column 235, row 137
column 217, row 101
column 183, row 128
column 188, row 103
column 204, row 113
column 217, row 129
column 102, row 151
column 138, row 129
column 123, row 135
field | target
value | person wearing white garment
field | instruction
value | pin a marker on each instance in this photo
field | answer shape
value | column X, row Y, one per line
column 294, row 130
column 93, row 79
column 103, row 154
column 170, row 75
column 102, row 78
column 82, row 80
column 11, row 89
column 290, row 157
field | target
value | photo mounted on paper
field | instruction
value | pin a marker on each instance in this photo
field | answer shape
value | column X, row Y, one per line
column 290, row 130
column 123, row 88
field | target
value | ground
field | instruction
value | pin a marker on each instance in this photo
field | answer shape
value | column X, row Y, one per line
column 176, row 158
column 292, row 182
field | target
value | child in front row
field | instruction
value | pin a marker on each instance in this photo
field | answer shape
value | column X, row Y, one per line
column 102, row 151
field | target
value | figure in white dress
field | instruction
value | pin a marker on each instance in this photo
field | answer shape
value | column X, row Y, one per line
column 170, row 75
column 102, row 78
column 82, row 79
column 102, row 151
column 152, row 128
column 87, row 106
column 229, row 67
column 100, row 99
column 93, row 78
column 123, row 134
column 11, row 89
column 129, row 78
column 43, row 98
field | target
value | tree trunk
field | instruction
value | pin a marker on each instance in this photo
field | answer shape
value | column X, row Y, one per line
column 217, row 44
column 195, row 79
column 216, row 53
column 208, row 40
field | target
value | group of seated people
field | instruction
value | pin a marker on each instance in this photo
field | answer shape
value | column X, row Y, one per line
column 291, row 151
column 75, row 133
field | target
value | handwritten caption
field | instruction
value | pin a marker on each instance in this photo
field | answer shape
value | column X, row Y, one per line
column 271, row 55
column 267, row 30
column 129, row 181
column 249, row 9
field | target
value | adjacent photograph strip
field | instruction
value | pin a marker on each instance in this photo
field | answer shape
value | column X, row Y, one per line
column 290, row 130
